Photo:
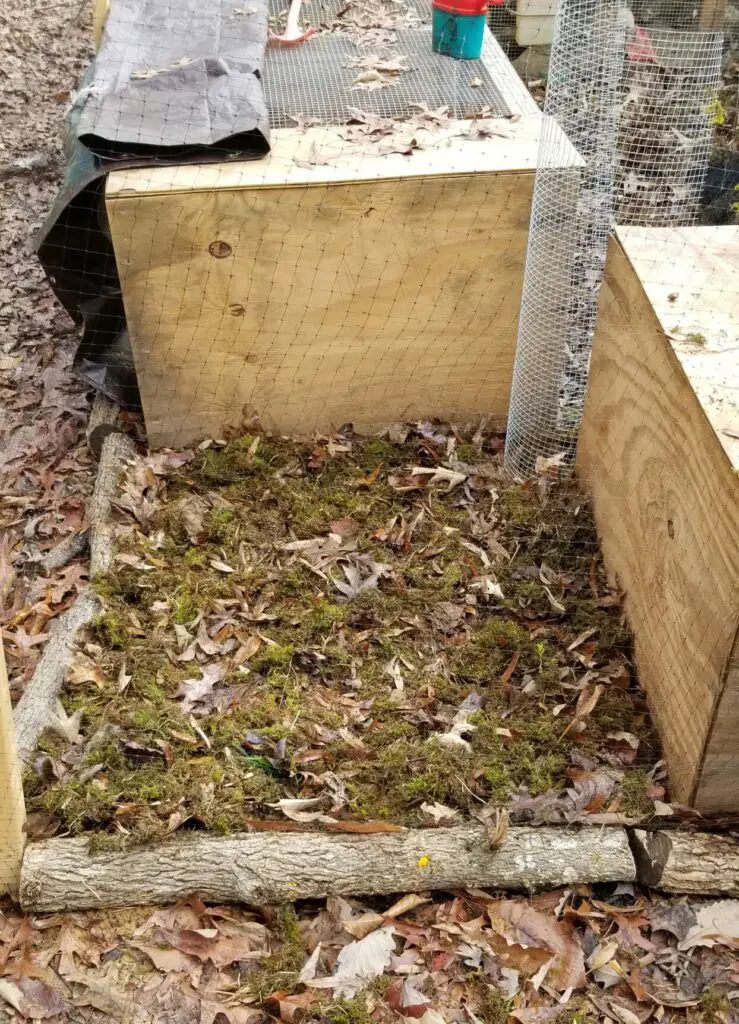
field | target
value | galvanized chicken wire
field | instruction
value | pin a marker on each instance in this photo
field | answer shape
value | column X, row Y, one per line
column 668, row 110
column 571, row 220
column 634, row 88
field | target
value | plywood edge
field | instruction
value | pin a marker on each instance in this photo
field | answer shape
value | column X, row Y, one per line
column 718, row 777
column 691, row 277
column 12, row 808
column 320, row 156
column 99, row 16
column 699, row 368
column 593, row 464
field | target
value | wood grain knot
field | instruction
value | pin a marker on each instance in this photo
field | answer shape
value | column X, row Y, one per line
column 220, row 249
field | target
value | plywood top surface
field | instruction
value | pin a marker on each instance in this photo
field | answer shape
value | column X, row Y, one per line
column 319, row 156
column 691, row 276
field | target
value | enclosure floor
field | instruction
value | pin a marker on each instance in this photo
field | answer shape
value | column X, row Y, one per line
column 355, row 634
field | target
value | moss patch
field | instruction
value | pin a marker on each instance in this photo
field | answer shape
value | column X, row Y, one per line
column 373, row 637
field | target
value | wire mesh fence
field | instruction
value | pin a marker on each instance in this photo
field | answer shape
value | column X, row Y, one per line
column 341, row 232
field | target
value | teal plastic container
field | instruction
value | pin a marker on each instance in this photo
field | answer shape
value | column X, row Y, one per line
column 457, row 34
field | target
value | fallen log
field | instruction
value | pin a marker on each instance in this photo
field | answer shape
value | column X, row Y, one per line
column 277, row 867
column 74, row 545
column 37, row 708
column 687, row 862
column 103, row 421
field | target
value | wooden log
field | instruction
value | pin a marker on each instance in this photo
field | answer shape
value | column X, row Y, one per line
column 687, row 862
column 277, row 867
column 74, row 545
column 103, row 421
column 38, row 705
column 12, row 808
column 117, row 449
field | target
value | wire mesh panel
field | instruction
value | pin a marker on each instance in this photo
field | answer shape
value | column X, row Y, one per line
column 669, row 108
column 570, row 224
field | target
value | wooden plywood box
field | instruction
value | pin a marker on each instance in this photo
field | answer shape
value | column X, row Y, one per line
column 326, row 284
column 659, row 453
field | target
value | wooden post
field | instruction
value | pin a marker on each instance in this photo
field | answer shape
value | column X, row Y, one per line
column 12, row 808
column 712, row 15
column 99, row 14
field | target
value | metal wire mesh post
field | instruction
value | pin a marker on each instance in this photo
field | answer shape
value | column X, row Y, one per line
column 570, row 223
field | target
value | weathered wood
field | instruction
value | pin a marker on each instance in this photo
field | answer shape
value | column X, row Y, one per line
column 315, row 290
column 687, row 862
column 73, row 545
column 116, row 451
column 37, row 707
column 269, row 867
column 103, row 421
column 99, row 16
column 712, row 15
column 12, row 808
column 666, row 502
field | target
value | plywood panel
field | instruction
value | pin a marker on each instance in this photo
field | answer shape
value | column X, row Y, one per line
column 12, row 810
column 666, row 501
column 368, row 303
column 691, row 277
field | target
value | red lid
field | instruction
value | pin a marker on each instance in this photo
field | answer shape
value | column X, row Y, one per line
column 461, row 6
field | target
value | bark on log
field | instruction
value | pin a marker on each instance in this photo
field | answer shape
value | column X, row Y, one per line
column 687, row 862
column 116, row 451
column 269, row 867
column 103, row 421
column 37, row 707
column 66, row 550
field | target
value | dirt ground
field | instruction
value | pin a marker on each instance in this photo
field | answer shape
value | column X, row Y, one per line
column 45, row 473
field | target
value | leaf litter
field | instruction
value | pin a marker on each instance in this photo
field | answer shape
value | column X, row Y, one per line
column 443, row 959
column 358, row 634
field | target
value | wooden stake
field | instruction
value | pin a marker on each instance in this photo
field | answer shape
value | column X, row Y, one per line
column 99, row 14
column 12, row 808
column 712, row 15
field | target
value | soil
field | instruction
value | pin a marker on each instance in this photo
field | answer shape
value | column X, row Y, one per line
column 384, row 630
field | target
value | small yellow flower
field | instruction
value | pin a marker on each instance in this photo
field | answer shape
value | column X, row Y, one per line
column 423, row 862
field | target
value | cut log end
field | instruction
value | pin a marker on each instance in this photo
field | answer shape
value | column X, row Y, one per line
column 692, row 863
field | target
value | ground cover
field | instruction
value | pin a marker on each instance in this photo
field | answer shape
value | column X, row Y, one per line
column 353, row 633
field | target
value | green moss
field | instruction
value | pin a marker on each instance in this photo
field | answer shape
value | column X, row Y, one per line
column 273, row 656
column 521, row 507
column 185, row 607
column 713, row 1006
column 494, row 1008
column 467, row 453
column 323, row 684
column 634, row 800
column 111, row 630
column 349, row 1011
column 325, row 614
column 279, row 970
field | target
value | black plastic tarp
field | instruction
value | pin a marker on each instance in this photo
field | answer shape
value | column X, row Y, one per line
column 173, row 81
